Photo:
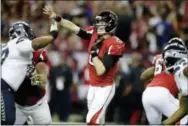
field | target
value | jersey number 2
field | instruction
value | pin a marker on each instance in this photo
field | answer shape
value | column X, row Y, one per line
column 4, row 55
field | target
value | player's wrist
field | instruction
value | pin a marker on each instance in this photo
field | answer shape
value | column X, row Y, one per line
column 94, row 54
column 57, row 18
column 54, row 30
column 54, row 34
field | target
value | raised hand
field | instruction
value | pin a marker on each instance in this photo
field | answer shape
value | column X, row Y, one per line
column 49, row 11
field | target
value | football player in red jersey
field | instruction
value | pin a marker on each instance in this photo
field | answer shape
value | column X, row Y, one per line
column 104, row 50
column 30, row 97
column 159, row 97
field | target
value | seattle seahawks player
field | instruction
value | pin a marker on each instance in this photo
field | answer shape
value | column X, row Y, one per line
column 176, row 62
column 15, row 60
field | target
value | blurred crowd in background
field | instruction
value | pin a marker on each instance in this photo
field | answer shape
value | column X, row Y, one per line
column 144, row 26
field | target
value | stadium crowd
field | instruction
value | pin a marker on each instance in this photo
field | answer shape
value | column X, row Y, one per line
column 145, row 27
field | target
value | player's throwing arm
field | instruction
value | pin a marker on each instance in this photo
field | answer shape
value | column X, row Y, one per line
column 104, row 50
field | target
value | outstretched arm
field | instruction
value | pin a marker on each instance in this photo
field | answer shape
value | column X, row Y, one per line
column 67, row 24
column 147, row 74
column 180, row 113
column 28, row 46
column 43, row 41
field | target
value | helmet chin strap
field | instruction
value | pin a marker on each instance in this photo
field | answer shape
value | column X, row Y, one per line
column 14, row 35
column 101, row 33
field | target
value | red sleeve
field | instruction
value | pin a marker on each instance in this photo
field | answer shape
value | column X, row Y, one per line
column 90, row 28
column 116, row 49
column 40, row 56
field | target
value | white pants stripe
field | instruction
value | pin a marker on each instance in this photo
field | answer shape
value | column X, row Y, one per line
column 158, row 101
column 98, row 100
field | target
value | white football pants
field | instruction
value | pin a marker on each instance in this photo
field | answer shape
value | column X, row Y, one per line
column 158, row 101
column 40, row 114
column 98, row 99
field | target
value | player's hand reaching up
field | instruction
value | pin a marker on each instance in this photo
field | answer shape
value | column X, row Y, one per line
column 62, row 22
column 50, row 12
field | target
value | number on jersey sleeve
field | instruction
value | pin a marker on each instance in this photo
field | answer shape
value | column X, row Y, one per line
column 158, row 66
column 4, row 54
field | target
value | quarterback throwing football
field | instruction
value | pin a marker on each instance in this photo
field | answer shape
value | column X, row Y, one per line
column 104, row 50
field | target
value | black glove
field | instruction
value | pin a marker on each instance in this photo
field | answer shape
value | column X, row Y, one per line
column 96, row 47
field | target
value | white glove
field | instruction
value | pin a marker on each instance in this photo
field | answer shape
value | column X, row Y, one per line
column 53, row 27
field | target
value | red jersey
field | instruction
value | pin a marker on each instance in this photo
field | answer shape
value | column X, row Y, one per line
column 28, row 94
column 85, row 75
column 163, row 79
column 112, row 46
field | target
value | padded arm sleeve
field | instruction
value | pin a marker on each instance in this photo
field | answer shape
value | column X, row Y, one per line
column 109, row 60
column 84, row 34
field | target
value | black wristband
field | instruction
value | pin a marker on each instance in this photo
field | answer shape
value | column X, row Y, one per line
column 94, row 54
column 57, row 18
column 54, row 34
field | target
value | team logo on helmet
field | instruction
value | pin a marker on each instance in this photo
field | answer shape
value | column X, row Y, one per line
column 105, row 22
column 173, row 52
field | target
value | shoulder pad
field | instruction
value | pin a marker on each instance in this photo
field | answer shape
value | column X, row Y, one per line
column 116, row 49
column 117, row 40
column 21, row 39
column 180, row 64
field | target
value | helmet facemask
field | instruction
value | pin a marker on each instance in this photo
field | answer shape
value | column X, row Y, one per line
column 17, row 32
column 100, row 25
column 21, row 29
column 171, row 57
column 105, row 22
column 169, row 64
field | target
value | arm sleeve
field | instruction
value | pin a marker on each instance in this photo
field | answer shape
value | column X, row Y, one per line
column 109, row 60
column 115, row 51
column 84, row 34
column 25, row 46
